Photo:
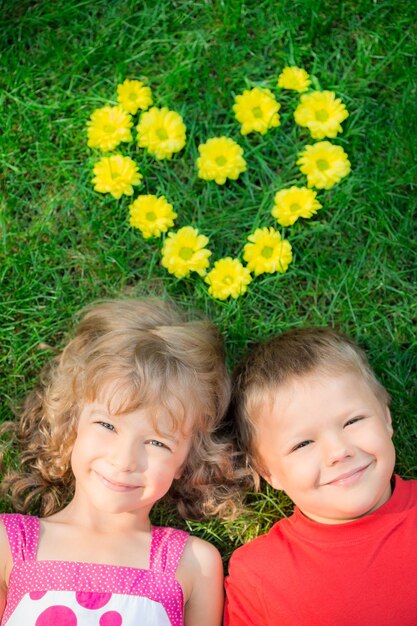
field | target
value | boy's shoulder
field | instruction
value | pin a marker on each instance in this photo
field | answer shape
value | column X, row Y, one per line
column 281, row 540
column 259, row 550
column 406, row 489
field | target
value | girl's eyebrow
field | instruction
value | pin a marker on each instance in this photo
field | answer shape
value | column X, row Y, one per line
column 169, row 436
column 159, row 433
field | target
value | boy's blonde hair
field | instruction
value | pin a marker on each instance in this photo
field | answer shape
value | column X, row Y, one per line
column 271, row 364
column 149, row 355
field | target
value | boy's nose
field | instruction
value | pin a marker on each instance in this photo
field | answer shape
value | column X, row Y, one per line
column 336, row 449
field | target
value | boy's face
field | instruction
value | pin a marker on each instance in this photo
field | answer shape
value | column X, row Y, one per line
column 327, row 442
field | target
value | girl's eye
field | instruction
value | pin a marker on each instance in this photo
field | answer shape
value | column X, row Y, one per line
column 107, row 426
column 157, row 444
column 300, row 445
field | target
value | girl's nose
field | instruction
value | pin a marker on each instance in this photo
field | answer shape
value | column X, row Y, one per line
column 125, row 456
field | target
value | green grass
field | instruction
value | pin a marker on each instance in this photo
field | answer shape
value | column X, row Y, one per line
column 63, row 245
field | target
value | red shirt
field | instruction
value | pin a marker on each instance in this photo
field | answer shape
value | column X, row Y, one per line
column 303, row 573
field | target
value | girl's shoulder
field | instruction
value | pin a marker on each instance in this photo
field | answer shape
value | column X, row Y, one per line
column 200, row 552
column 20, row 530
column 19, row 535
column 200, row 560
column 167, row 548
column 18, row 540
column 5, row 553
column 18, row 519
column 200, row 574
column 192, row 552
column 5, row 565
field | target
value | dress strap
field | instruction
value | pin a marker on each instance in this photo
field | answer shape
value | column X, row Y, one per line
column 167, row 547
column 23, row 535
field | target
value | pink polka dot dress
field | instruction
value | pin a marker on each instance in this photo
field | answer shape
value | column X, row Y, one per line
column 66, row 593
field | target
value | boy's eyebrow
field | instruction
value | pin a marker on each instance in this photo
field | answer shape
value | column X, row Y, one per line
column 305, row 433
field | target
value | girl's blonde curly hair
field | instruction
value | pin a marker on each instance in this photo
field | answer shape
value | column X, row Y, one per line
column 151, row 356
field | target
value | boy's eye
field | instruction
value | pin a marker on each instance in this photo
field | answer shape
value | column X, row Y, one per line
column 353, row 420
column 300, row 445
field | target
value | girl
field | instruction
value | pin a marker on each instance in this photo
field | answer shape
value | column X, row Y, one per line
column 124, row 416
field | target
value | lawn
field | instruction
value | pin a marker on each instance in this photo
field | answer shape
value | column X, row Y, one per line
column 64, row 245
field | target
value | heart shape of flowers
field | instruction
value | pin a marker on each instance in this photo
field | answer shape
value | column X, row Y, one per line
column 162, row 133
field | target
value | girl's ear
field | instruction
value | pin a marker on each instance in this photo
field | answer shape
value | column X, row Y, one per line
column 179, row 471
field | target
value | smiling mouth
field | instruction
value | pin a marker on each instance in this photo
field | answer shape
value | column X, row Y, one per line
column 115, row 486
column 349, row 478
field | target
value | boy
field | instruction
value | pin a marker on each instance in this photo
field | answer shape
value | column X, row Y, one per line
column 313, row 421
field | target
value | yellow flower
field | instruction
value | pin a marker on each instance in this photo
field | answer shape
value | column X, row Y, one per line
column 162, row 132
column 257, row 110
column 220, row 158
column 184, row 252
column 267, row 252
column 133, row 95
column 228, row 278
column 294, row 78
column 324, row 164
column 107, row 127
column 322, row 113
column 295, row 202
column 116, row 175
column 152, row 215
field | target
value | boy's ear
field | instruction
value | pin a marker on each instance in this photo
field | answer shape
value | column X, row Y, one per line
column 271, row 480
column 388, row 421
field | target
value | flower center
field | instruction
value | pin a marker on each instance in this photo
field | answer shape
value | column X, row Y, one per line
column 257, row 112
column 109, row 128
column 221, row 160
column 115, row 175
column 150, row 216
column 227, row 280
column 186, row 253
column 322, row 164
column 132, row 95
column 161, row 133
column 267, row 252
column 294, row 207
column 322, row 115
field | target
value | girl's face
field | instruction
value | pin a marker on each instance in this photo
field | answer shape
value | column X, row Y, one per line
column 121, row 463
